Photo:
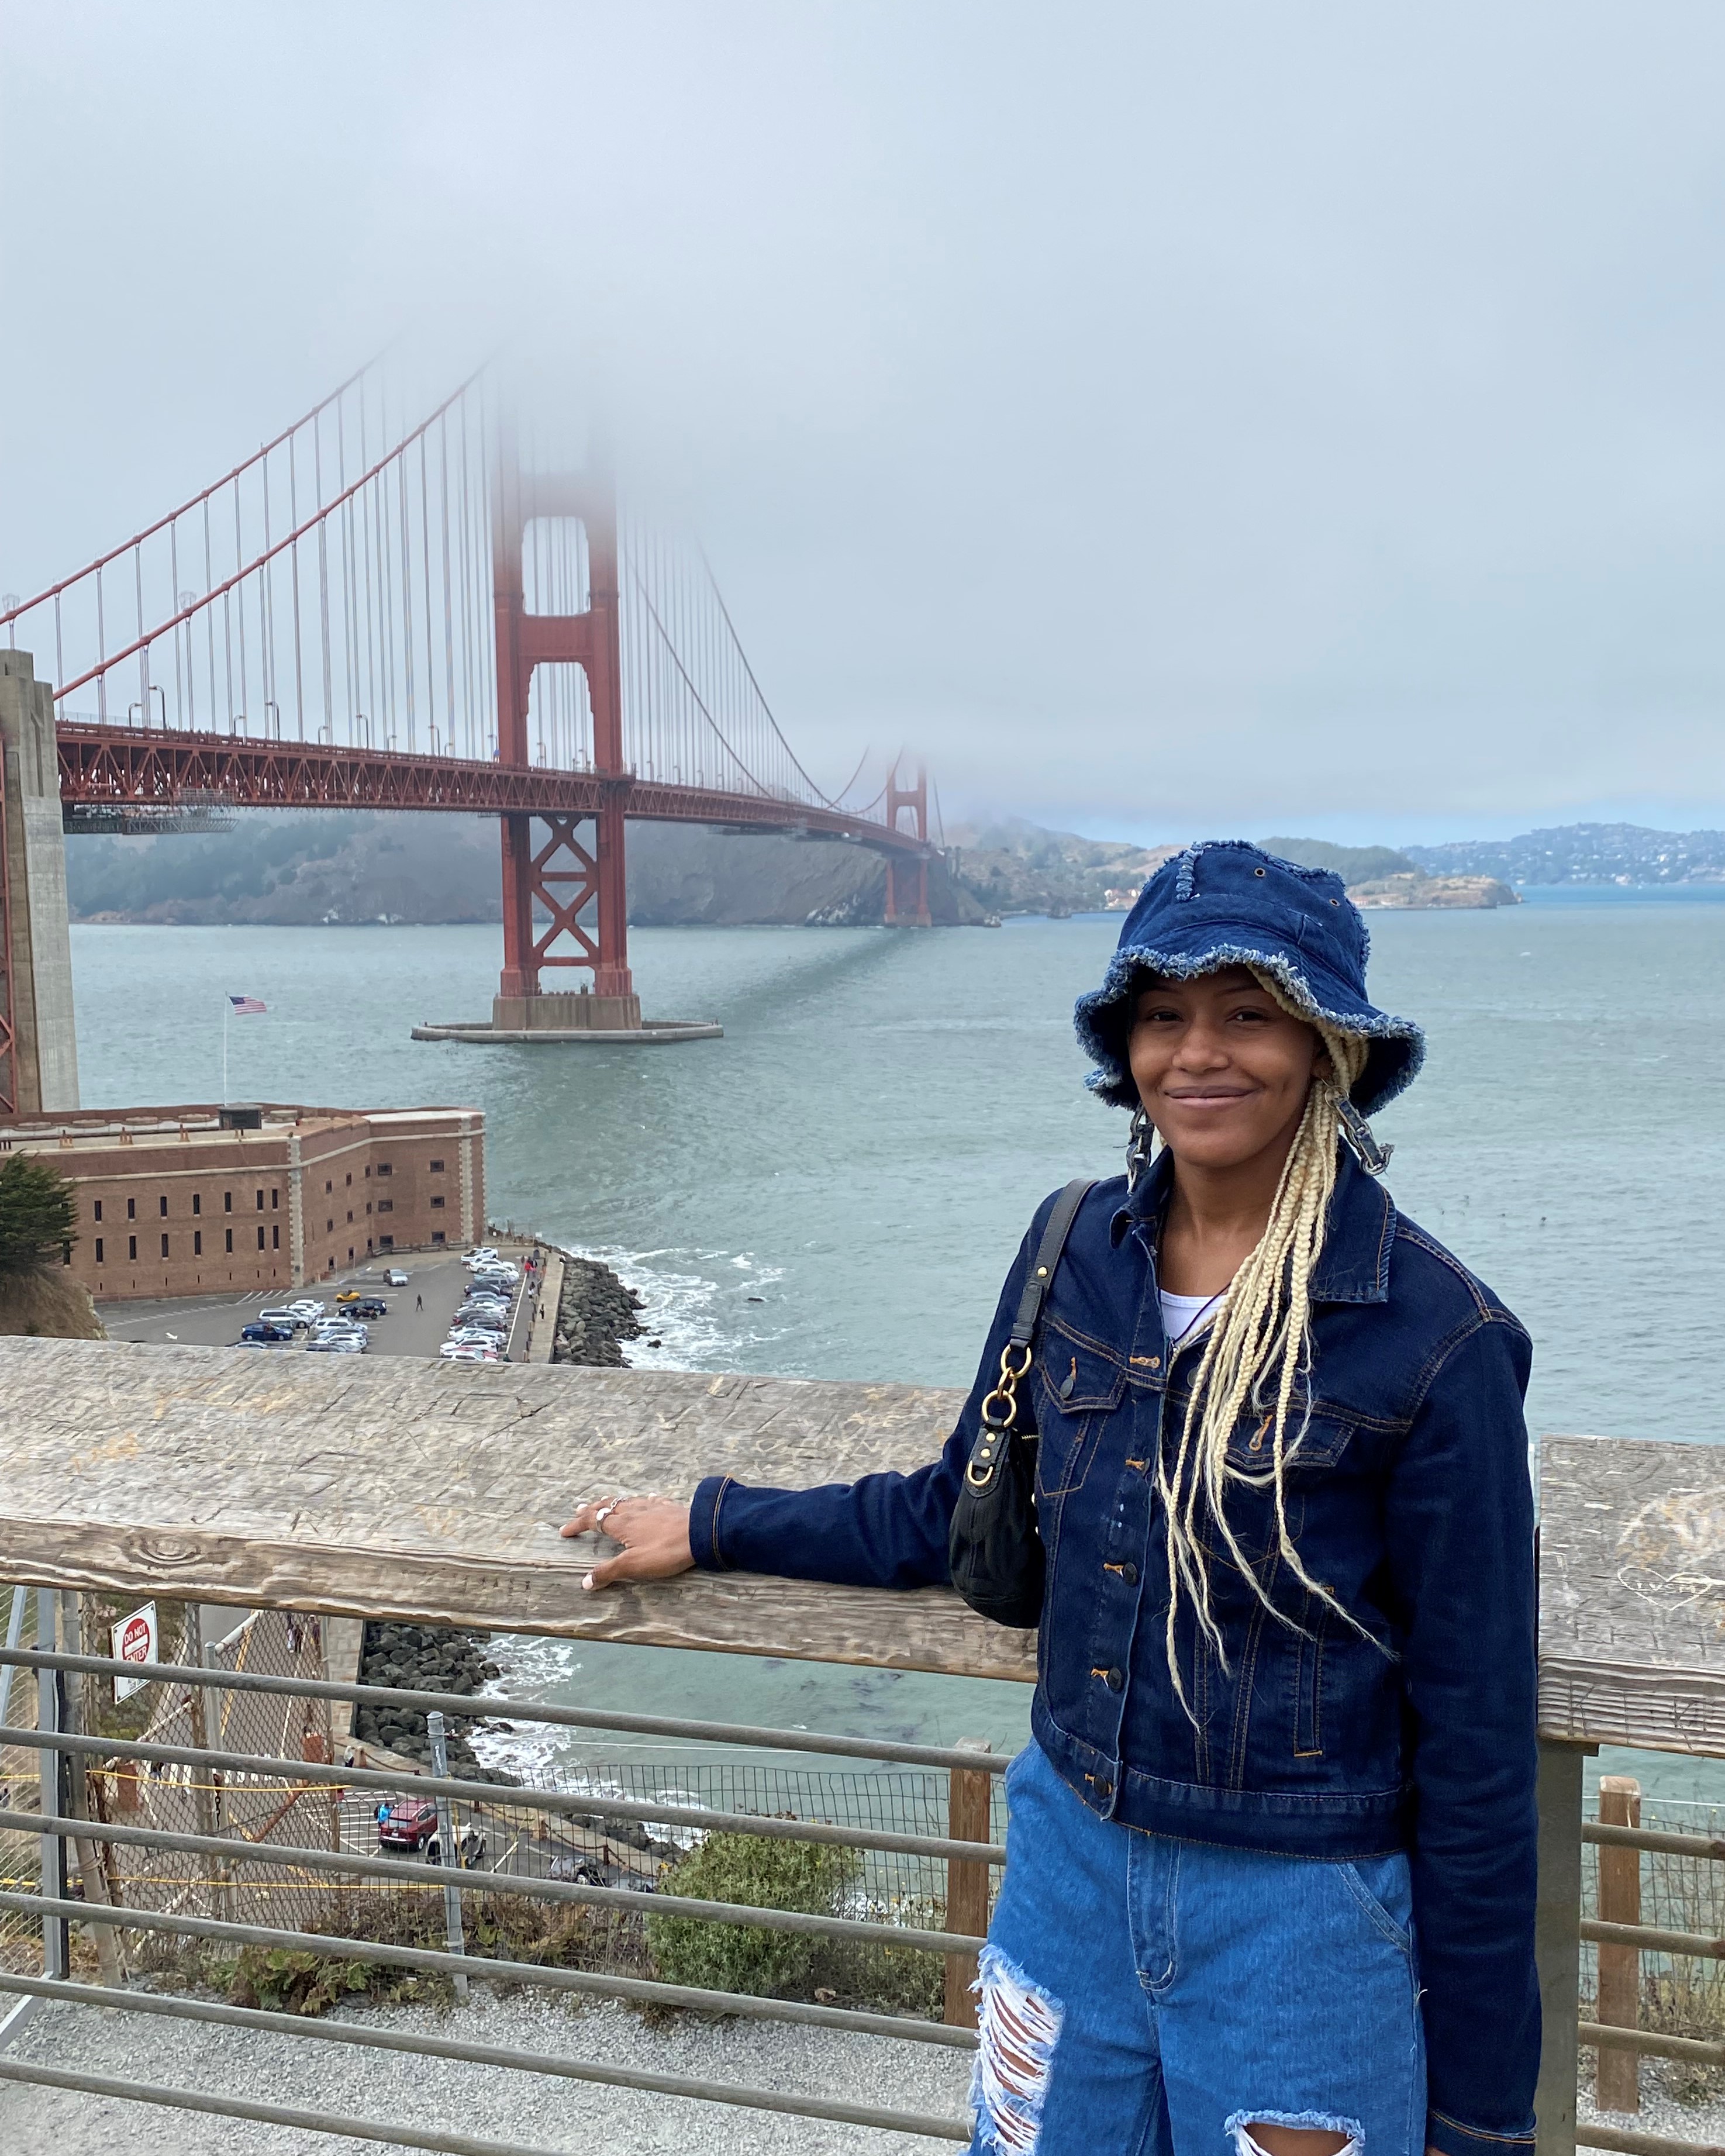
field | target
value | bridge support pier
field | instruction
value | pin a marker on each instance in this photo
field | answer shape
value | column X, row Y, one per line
column 39, row 1040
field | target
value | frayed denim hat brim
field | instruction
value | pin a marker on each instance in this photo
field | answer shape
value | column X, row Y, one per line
column 1397, row 1045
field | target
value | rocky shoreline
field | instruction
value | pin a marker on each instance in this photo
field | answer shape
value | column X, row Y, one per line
column 596, row 1314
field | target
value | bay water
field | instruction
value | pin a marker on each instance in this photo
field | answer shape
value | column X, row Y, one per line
column 837, row 1186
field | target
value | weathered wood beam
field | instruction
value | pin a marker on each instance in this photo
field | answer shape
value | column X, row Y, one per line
column 418, row 1489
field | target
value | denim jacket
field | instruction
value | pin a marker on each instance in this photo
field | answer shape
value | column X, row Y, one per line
column 1409, row 1497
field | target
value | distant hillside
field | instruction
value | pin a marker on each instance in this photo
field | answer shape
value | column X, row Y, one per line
column 1352, row 863
column 352, row 868
column 361, row 868
column 1583, row 852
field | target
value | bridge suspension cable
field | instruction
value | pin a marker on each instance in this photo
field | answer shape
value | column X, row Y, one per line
column 336, row 589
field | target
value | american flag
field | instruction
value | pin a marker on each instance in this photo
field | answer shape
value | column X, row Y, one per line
column 248, row 1006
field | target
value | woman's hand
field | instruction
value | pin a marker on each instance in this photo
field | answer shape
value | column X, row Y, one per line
column 654, row 1531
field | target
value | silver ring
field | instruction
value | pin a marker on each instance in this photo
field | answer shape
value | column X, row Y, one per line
column 603, row 1514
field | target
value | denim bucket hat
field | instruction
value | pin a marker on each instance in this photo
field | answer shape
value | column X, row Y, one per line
column 1225, row 902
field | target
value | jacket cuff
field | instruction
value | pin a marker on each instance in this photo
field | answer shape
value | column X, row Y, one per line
column 703, row 1524
column 1454, row 2139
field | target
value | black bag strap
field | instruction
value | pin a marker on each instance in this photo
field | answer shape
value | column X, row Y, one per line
column 1040, row 1277
column 1000, row 1410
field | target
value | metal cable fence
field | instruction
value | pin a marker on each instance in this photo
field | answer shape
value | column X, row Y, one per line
column 285, row 1881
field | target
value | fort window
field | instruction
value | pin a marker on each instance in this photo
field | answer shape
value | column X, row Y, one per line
column 227, row 1205
column 197, row 1203
column 164, row 1246
column 436, row 1202
column 197, row 1242
column 350, row 1179
column 274, row 1237
column 96, row 1210
column 274, row 1201
column 230, row 1240
column 329, row 1229
column 131, row 1246
column 327, row 1189
column 98, row 1249
column 163, row 1203
column 131, row 1208
column 439, row 1236
column 350, row 1216
column 384, row 1168
column 260, row 1235
column 385, row 1205
column 260, row 1201
column 386, row 1242
column 436, row 1166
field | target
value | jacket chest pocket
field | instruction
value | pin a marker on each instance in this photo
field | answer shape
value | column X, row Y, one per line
column 1251, row 1448
column 1077, row 1384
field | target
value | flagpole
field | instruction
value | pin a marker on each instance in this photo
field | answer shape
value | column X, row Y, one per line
column 226, row 1007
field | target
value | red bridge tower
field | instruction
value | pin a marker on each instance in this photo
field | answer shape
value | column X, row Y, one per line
column 562, row 874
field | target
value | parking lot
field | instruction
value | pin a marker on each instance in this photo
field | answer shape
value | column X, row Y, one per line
column 418, row 1322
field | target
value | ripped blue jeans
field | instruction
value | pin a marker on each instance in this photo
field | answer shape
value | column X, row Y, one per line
column 1151, row 1997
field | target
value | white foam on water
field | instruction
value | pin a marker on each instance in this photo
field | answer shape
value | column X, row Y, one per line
column 694, row 1304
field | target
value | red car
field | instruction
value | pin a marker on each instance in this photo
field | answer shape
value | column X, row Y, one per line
column 410, row 1823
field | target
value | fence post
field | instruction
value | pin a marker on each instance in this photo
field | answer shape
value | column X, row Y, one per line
column 73, row 1697
column 217, row 1800
column 1557, row 1942
column 1619, row 2071
column 50, row 1717
column 970, row 1794
column 446, row 1835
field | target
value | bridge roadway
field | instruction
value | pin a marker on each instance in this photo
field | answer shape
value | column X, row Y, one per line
column 143, row 768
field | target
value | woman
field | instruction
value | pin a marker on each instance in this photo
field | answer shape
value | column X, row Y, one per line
column 1271, row 1870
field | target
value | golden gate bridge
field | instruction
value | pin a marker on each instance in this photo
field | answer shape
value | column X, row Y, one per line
column 383, row 611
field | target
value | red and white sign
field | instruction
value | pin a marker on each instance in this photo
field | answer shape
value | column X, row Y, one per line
column 134, row 1641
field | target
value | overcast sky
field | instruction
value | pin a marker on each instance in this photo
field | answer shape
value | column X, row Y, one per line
column 1173, row 419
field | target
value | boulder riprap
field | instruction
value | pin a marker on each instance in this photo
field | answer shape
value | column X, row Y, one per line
column 424, row 1658
column 596, row 1314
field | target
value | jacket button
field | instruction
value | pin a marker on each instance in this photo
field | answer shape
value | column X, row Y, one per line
column 1104, row 1788
column 1129, row 1573
column 1114, row 1681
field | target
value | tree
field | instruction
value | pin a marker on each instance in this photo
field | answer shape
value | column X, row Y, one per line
column 39, row 1216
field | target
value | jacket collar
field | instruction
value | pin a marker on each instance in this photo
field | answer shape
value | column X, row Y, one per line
column 1353, row 1266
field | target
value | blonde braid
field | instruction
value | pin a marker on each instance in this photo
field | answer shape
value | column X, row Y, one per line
column 1259, row 1346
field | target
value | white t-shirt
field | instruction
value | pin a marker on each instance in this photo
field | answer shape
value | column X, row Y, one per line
column 1183, row 1315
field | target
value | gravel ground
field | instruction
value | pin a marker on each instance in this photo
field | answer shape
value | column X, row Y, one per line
column 1660, row 2113
column 506, row 2105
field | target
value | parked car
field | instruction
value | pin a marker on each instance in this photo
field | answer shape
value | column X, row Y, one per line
column 271, row 1335
column 466, row 1351
column 340, row 1346
column 308, row 1306
column 349, row 1294
column 294, row 1320
column 370, row 1305
column 265, row 1344
column 411, row 1823
column 395, row 1277
column 342, row 1332
column 472, row 1335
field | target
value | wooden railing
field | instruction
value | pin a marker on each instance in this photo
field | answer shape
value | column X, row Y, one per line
column 424, row 1491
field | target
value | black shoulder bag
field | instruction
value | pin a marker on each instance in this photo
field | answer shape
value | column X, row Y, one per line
column 995, row 1553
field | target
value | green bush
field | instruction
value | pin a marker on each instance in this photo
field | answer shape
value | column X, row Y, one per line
column 808, row 1875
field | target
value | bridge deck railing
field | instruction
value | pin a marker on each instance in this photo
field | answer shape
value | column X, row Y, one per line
column 414, row 1491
